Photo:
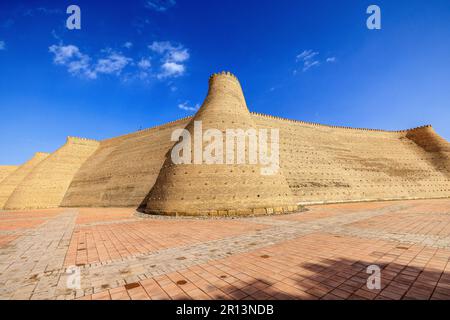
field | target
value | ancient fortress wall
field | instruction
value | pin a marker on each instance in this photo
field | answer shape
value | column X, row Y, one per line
column 46, row 185
column 9, row 184
column 332, row 164
column 201, row 188
column 123, row 170
column 319, row 163
column 6, row 171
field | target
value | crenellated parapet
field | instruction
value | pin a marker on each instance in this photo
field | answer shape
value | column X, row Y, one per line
column 223, row 74
column 315, row 124
column 83, row 141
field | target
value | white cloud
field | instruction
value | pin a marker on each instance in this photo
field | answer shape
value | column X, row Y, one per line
column 80, row 64
column 41, row 10
column 173, row 57
column 160, row 5
column 171, row 69
column 128, row 45
column 309, row 59
column 114, row 63
column 76, row 62
column 2, row 45
column 144, row 63
column 308, row 64
column 185, row 106
column 306, row 55
column 179, row 55
column 161, row 46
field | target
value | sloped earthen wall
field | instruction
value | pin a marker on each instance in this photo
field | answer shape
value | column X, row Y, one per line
column 10, row 183
column 47, row 183
column 123, row 170
column 6, row 171
column 333, row 164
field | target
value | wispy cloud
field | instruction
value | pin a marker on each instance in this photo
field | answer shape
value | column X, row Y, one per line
column 172, row 58
column 41, row 10
column 144, row 64
column 306, row 55
column 171, row 69
column 160, row 5
column 185, row 106
column 77, row 63
column 128, row 45
column 310, row 59
column 80, row 64
column 2, row 45
column 113, row 63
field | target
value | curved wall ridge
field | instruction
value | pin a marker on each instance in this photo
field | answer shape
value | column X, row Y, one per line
column 6, row 171
column 10, row 183
column 46, row 185
column 436, row 150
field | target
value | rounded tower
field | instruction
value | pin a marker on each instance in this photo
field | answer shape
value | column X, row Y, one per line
column 202, row 187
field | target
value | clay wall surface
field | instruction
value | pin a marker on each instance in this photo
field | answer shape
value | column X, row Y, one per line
column 200, row 188
column 46, row 185
column 123, row 170
column 6, row 171
column 332, row 164
column 9, row 184
column 319, row 163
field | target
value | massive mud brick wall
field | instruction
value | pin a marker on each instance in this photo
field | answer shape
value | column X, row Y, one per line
column 123, row 170
column 319, row 163
column 333, row 164
column 219, row 189
column 6, row 171
column 9, row 184
column 46, row 185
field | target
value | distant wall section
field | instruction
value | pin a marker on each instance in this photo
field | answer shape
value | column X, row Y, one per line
column 10, row 183
column 6, row 171
column 123, row 170
column 333, row 164
column 46, row 185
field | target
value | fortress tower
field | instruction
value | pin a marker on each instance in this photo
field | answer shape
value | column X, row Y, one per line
column 199, row 188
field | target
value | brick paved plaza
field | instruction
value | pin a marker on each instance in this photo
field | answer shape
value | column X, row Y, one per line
column 320, row 253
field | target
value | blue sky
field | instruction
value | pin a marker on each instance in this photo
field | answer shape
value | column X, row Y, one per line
column 145, row 62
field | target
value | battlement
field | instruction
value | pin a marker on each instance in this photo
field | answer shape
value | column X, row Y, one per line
column 41, row 154
column 337, row 127
column 223, row 74
column 81, row 140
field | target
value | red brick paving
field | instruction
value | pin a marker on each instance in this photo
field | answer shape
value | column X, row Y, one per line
column 316, row 265
column 114, row 241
